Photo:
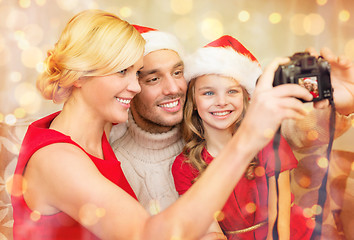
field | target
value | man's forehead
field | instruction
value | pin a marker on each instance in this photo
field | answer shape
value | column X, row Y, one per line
column 161, row 60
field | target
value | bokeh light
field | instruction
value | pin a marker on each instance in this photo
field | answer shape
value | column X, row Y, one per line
column 314, row 24
column 316, row 209
column 321, row 2
column 40, row 67
column 10, row 119
column 15, row 191
column 296, row 24
column 312, row 135
column 310, row 223
column 41, row 2
column 344, row 15
column 24, row 3
column 269, row 133
column 125, row 12
column 251, row 207
column 307, row 212
column 88, row 214
column 322, row 162
column 275, row 18
column 28, row 97
column 100, row 212
column 259, row 171
column 304, row 181
column 244, row 16
column 20, row 113
column 154, row 206
column 35, row 216
column 15, row 77
column 219, row 216
column 181, row 7
column 68, row 5
column 212, row 28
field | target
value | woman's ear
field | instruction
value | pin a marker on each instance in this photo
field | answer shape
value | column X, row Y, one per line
column 78, row 83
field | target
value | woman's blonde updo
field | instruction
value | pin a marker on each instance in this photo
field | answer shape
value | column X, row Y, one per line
column 93, row 43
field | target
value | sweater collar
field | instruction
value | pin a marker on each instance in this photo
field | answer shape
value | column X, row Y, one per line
column 152, row 140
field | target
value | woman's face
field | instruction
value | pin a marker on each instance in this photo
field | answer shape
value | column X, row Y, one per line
column 219, row 101
column 109, row 96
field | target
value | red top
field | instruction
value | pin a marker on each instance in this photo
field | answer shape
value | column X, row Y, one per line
column 248, row 203
column 59, row 225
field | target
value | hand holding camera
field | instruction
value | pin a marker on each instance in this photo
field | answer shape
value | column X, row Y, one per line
column 309, row 72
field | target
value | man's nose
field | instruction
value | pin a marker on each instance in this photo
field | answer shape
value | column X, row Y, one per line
column 170, row 85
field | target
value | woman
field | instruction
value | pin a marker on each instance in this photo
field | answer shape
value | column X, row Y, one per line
column 68, row 183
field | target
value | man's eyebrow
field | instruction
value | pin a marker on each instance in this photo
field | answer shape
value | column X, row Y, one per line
column 179, row 64
column 153, row 71
column 144, row 73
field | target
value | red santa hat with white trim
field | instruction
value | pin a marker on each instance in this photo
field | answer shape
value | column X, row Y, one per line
column 158, row 40
column 227, row 57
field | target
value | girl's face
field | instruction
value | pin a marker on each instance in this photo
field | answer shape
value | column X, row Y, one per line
column 219, row 101
column 109, row 97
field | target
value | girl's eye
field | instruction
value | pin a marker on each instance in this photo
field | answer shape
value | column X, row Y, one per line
column 209, row 93
column 233, row 91
column 122, row 71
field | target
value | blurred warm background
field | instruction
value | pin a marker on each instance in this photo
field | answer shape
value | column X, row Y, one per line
column 268, row 28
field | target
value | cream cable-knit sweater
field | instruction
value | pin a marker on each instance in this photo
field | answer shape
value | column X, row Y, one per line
column 146, row 160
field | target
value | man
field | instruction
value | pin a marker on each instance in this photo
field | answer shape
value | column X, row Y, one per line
column 149, row 143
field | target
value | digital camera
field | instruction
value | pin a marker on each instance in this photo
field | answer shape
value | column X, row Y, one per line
column 309, row 72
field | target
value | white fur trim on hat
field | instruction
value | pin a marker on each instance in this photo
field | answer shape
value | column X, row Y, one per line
column 157, row 40
column 223, row 61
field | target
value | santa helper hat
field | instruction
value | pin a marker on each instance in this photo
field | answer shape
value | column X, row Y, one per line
column 227, row 57
column 158, row 40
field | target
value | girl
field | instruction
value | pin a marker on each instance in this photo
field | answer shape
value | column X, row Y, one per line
column 68, row 183
column 222, row 78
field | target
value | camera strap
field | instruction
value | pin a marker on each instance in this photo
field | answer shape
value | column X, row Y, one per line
column 277, row 168
column 322, row 192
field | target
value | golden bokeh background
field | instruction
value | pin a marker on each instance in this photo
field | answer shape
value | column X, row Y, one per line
column 271, row 28
column 268, row 28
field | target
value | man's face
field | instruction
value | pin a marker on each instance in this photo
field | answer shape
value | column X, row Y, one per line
column 159, row 105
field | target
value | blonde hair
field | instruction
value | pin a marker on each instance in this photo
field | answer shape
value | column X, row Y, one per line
column 193, row 130
column 93, row 43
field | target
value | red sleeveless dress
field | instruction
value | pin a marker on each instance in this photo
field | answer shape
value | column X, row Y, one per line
column 29, row 225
